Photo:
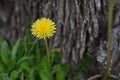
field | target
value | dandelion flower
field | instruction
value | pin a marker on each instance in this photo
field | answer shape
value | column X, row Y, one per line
column 43, row 28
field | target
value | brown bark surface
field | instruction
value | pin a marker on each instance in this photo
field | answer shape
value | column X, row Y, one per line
column 77, row 21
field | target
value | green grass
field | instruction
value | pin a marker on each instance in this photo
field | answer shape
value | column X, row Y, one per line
column 24, row 60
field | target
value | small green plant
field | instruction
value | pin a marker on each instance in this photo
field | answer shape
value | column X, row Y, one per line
column 17, row 60
column 11, row 64
column 84, row 64
column 82, row 67
column 48, row 70
column 24, row 60
column 54, row 71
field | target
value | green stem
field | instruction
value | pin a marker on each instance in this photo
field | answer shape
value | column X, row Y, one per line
column 47, row 50
column 110, row 16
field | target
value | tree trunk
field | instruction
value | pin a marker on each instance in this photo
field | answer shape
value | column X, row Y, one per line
column 81, row 24
column 77, row 22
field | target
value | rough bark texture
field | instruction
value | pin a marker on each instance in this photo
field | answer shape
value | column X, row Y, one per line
column 115, row 48
column 81, row 25
column 77, row 22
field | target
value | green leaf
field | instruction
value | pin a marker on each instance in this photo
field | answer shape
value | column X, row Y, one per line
column 26, row 43
column 44, row 70
column 11, row 65
column 84, row 64
column 5, row 76
column 1, row 40
column 45, row 75
column 25, row 58
column 2, row 66
column 31, row 75
column 14, row 75
column 15, row 49
column 5, row 52
column 25, row 66
column 60, row 71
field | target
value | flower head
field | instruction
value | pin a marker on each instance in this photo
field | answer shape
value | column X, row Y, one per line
column 43, row 28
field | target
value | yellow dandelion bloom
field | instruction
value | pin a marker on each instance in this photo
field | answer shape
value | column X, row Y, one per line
column 43, row 28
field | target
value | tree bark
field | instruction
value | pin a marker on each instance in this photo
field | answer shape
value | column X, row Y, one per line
column 77, row 22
